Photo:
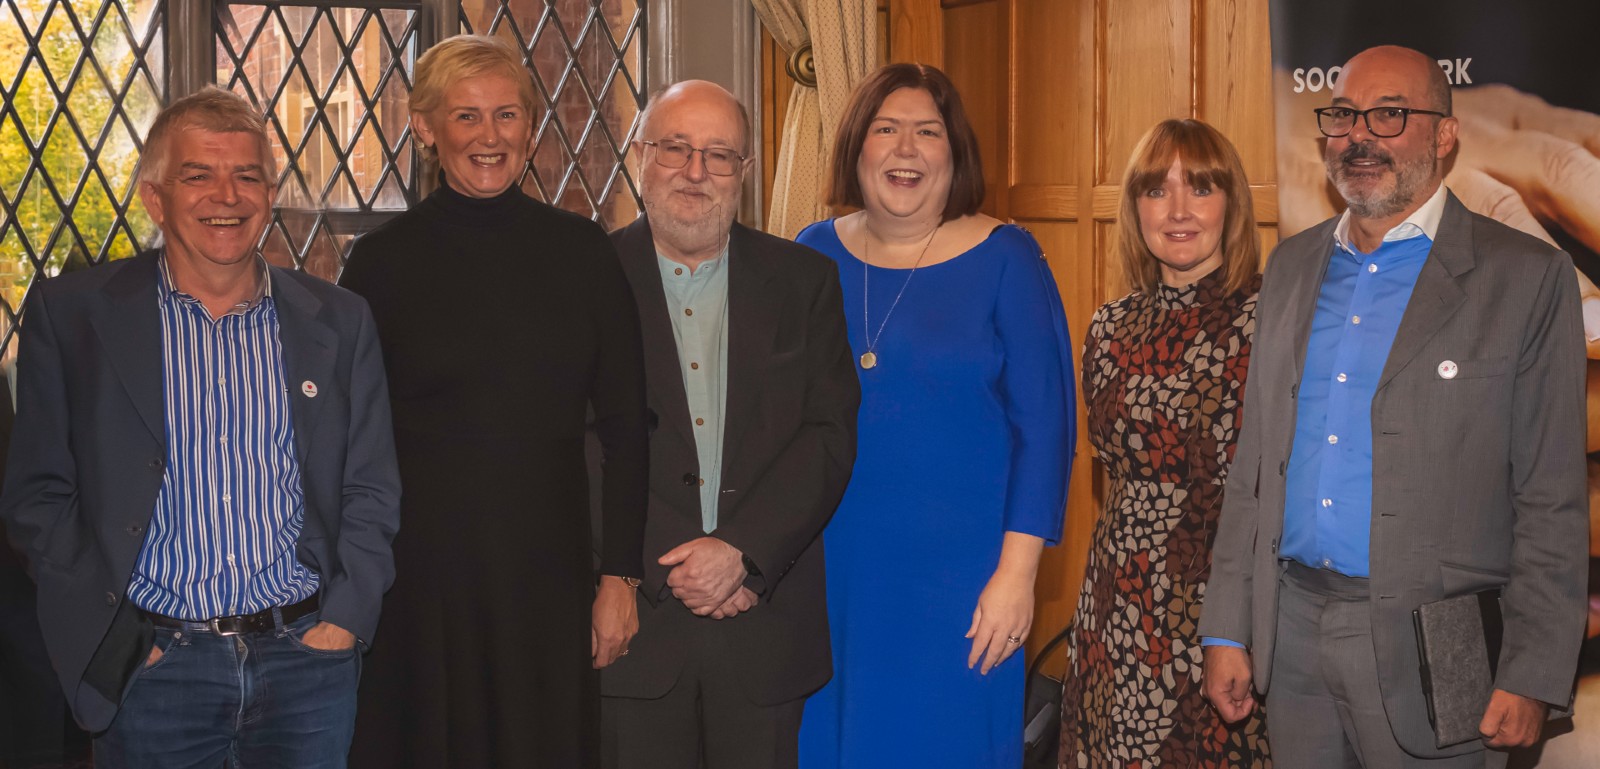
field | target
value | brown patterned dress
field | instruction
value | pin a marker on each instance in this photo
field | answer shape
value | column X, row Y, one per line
column 1162, row 376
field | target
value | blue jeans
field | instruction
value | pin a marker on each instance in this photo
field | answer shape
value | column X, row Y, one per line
column 251, row 700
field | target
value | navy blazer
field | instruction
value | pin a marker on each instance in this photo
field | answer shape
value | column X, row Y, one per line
column 88, row 450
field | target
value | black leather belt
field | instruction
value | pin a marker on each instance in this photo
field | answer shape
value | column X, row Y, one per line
column 260, row 622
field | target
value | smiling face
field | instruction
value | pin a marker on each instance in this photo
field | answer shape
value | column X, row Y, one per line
column 1380, row 178
column 482, row 134
column 1182, row 224
column 214, row 199
column 905, row 163
column 691, row 210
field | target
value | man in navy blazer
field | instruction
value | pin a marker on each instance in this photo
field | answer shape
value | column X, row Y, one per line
column 202, row 475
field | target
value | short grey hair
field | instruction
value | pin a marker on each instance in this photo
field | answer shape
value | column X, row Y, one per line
column 211, row 109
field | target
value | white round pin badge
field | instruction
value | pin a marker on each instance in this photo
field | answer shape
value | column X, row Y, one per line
column 1448, row 370
column 309, row 388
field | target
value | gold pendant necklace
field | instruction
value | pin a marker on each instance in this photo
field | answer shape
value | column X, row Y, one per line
column 869, row 359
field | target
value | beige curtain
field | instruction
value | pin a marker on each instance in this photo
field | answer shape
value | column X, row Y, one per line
column 844, row 43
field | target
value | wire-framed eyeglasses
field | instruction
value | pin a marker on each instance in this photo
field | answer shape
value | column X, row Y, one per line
column 720, row 161
column 1382, row 122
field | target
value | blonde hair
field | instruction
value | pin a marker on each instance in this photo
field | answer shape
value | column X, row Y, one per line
column 462, row 57
column 210, row 109
column 1210, row 162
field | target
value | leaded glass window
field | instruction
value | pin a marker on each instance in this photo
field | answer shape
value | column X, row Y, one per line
column 587, row 59
column 81, row 81
column 333, row 82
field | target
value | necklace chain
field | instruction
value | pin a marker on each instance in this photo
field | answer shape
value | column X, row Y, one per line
column 869, row 359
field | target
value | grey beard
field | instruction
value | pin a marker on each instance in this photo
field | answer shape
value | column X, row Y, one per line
column 1409, row 180
column 707, row 231
column 1382, row 207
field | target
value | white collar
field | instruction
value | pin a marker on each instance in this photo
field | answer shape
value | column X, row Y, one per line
column 1423, row 221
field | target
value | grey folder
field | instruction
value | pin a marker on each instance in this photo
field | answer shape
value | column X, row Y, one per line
column 1459, row 642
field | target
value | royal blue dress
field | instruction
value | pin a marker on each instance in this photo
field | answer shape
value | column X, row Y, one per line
column 966, row 432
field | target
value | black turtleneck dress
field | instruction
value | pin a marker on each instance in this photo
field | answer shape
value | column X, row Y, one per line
column 502, row 320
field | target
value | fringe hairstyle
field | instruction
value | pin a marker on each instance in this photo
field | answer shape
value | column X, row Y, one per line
column 1209, row 161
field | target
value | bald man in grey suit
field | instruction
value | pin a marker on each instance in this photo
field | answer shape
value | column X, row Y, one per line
column 1413, row 429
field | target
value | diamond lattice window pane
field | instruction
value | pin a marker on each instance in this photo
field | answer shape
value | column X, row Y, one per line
column 80, row 82
column 333, row 82
column 587, row 65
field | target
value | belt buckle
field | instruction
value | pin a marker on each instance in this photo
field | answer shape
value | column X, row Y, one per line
column 216, row 628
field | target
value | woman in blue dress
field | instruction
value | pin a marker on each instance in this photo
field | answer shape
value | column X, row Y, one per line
column 964, row 448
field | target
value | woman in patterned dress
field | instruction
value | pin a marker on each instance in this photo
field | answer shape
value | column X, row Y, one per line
column 1163, row 378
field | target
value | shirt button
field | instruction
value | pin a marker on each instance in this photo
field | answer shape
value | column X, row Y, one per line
column 1327, row 503
column 227, row 497
column 699, row 421
column 677, row 271
column 224, row 439
column 694, row 366
column 1333, row 439
column 1372, row 268
column 702, row 481
column 1342, row 377
column 1356, row 319
column 687, row 311
column 222, row 380
column 230, row 559
column 1327, row 563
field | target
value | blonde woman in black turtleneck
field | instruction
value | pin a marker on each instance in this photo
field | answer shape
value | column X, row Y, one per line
column 503, row 321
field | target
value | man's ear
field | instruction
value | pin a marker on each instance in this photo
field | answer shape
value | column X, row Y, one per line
column 1449, row 128
column 150, row 196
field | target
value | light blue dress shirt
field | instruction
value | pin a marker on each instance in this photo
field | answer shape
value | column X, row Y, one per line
column 1327, row 515
column 697, row 300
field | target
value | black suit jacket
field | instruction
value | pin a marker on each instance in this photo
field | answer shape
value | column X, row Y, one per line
column 789, row 444
column 88, row 453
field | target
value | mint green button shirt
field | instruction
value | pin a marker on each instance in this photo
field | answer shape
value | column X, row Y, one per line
column 697, row 300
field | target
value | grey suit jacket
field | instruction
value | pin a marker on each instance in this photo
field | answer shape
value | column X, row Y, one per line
column 89, row 446
column 1478, row 480
column 789, row 446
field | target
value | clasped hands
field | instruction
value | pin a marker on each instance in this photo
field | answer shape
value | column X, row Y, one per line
column 1510, row 720
column 708, row 576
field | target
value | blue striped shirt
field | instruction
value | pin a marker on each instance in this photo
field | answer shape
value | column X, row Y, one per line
column 222, row 537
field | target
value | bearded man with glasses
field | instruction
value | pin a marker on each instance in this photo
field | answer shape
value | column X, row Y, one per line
column 1414, row 431
column 750, row 376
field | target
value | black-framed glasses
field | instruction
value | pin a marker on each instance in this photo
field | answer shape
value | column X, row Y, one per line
column 1382, row 122
column 720, row 161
